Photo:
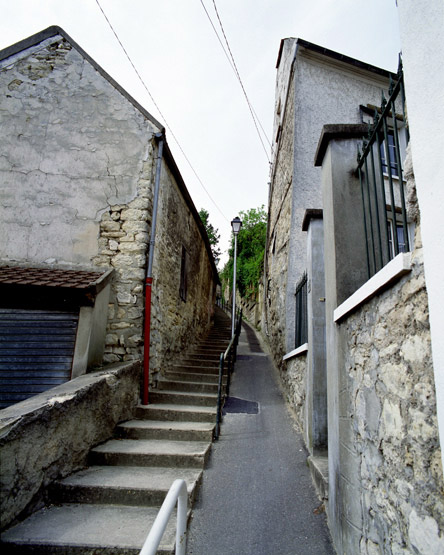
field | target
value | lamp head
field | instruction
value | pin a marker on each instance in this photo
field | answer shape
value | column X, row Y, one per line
column 236, row 224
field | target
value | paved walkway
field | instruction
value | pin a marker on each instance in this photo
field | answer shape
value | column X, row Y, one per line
column 257, row 496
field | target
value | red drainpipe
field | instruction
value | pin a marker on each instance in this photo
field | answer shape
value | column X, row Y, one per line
column 149, row 278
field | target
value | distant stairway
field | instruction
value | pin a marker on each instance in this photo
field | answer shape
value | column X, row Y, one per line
column 109, row 507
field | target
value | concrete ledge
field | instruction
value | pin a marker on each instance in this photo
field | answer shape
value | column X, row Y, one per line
column 296, row 352
column 319, row 473
column 48, row 436
column 392, row 271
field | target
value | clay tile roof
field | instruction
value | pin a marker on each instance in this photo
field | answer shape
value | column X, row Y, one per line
column 72, row 279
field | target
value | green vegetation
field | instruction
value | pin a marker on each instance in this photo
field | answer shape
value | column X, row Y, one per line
column 250, row 253
column 212, row 233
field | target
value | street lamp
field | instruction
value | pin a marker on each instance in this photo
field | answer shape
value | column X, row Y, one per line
column 236, row 224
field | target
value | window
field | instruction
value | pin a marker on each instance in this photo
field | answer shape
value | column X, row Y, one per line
column 392, row 155
column 301, row 334
column 183, row 275
column 402, row 243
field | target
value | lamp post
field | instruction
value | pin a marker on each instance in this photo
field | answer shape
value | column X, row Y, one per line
column 236, row 224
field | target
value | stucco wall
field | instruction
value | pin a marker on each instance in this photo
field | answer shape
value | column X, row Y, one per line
column 49, row 436
column 422, row 57
column 77, row 172
column 72, row 146
column 320, row 91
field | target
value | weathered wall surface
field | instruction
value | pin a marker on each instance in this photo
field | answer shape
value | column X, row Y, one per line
column 186, row 320
column 72, row 147
column 326, row 92
column 294, row 379
column 389, row 384
column 279, row 224
column 77, row 178
column 49, row 436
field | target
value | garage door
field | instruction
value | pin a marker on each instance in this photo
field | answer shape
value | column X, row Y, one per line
column 36, row 351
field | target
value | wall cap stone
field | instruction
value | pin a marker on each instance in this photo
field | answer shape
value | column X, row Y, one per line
column 396, row 268
column 334, row 131
column 301, row 350
column 311, row 214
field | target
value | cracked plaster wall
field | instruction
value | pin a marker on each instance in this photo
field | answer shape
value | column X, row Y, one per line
column 77, row 177
column 72, row 147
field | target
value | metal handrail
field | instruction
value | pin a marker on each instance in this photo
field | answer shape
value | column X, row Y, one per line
column 230, row 355
column 177, row 492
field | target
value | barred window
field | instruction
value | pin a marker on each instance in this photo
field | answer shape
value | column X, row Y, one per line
column 301, row 335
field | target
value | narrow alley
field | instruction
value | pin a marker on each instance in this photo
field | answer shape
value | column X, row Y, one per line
column 257, row 495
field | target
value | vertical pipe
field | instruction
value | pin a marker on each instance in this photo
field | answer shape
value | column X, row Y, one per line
column 383, row 194
column 370, row 215
column 149, row 278
column 233, row 318
column 365, row 220
column 378, row 221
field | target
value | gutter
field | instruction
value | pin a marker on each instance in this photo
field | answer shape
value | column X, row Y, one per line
column 149, row 275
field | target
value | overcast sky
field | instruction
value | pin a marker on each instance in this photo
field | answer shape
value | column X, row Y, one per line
column 177, row 53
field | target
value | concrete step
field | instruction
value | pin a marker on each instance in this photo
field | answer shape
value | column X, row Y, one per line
column 186, row 398
column 178, row 431
column 187, row 386
column 123, row 485
column 167, row 412
column 195, row 360
column 191, row 377
column 86, row 529
column 213, row 344
column 209, row 353
column 151, row 452
column 189, row 367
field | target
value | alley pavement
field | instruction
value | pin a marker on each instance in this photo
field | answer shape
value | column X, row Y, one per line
column 257, row 495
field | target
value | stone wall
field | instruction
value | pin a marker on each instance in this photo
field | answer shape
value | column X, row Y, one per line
column 186, row 320
column 294, row 381
column 389, row 383
column 49, row 436
column 278, row 232
column 78, row 169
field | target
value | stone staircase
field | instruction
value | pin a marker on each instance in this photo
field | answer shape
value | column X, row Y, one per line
column 109, row 507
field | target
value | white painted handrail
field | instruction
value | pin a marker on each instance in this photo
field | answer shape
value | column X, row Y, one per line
column 178, row 492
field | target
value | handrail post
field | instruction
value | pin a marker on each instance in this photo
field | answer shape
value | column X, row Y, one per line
column 178, row 492
column 219, row 396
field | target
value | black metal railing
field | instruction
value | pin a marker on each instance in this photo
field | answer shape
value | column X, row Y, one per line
column 301, row 329
column 381, row 178
column 226, row 365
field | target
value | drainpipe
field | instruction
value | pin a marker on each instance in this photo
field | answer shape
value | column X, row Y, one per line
column 149, row 276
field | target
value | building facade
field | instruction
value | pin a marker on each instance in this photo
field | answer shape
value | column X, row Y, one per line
column 346, row 307
column 79, row 160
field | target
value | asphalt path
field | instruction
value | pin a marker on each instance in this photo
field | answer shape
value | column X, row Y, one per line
column 257, row 496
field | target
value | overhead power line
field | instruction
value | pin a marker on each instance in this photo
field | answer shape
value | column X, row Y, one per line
column 160, row 112
column 233, row 65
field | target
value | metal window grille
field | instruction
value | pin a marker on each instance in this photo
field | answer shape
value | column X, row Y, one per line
column 301, row 335
column 381, row 178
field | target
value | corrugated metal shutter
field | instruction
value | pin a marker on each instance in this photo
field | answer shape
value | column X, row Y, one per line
column 36, row 351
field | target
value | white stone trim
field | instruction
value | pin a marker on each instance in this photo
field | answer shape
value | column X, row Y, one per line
column 396, row 268
column 296, row 352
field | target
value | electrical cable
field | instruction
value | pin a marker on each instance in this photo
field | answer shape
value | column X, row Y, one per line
column 233, row 65
column 160, row 112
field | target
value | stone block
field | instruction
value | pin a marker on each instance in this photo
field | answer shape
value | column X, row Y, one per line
column 135, row 227
column 133, row 214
